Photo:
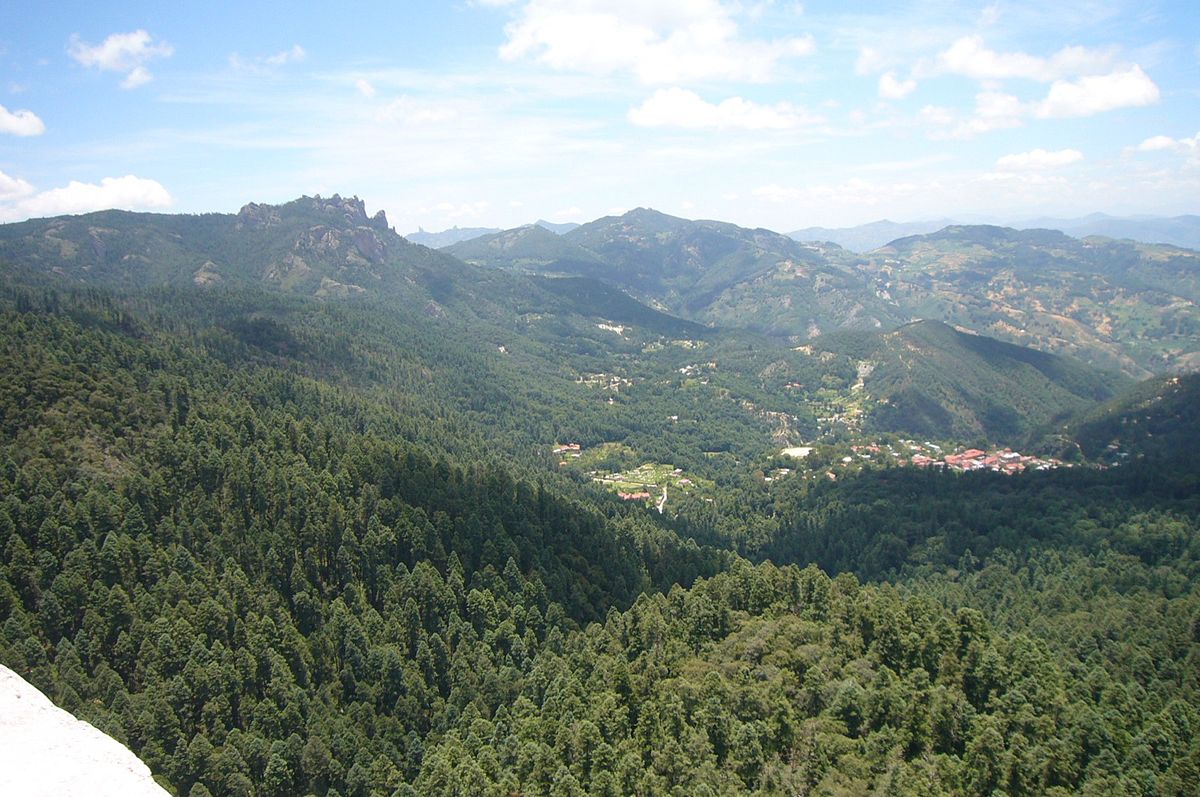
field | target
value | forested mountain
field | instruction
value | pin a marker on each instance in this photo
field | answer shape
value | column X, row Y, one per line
column 286, row 537
column 529, row 248
column 1115, row 304
column 1155, row 418
column 1112, row 303
column 929, row 379
column 709, row 271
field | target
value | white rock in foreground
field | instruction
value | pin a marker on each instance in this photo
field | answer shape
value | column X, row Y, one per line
column 45, row 752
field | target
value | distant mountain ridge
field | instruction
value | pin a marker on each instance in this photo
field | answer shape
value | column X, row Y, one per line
column 710, row 271
column 865, row 237
column 1117, row 304
column 437, row 240
column 1181, row 231
column 454, row 235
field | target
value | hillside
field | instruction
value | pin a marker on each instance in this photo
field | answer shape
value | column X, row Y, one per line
column 712, row 272
column 1116, row 304
column 284, row 541
column 528, row 248
column 1158, row 418
column 928, row 379
column 522, row 361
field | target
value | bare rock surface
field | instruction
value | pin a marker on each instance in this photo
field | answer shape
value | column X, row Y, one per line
column 46, row 752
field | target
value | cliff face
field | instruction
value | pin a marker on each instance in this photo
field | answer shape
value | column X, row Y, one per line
column 46, row 752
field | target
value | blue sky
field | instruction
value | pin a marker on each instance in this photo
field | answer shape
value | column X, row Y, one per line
column 494, row 113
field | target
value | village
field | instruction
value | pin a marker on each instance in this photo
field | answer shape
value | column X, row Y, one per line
column 912, row 453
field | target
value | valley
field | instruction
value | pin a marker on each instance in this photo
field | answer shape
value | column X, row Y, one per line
column 292, row 505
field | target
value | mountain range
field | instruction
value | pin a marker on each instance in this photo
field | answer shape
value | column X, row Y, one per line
column 1181, row 231
column 292, row 505
column 1115, row 304
column 440, row 240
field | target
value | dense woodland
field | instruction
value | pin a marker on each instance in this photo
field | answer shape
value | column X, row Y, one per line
column 288, row 546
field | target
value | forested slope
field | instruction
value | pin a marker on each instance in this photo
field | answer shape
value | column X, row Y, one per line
column 286, row 544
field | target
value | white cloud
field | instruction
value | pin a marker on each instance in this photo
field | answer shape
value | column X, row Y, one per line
column 670, row 41
column 13, row 188
column 869, row 61
column 407, row 110
column 676, row 107
column 138, row 76
column 1184, row 146
column 295, row 53
column 970, row 57
column 364, row 88
column 1038, row 159
column 20, row 123
column 121, row 52
column 1156, row 143
column 266, row 63
column 128, row 192
column 937, row 116
column 893, row 89
column 994, row 110
column 1098, row 93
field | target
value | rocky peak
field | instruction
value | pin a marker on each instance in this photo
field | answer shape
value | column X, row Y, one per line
column 351, row 210
column 335, row 211
column 258, row 216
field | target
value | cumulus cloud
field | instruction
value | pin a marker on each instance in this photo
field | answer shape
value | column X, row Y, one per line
column 13, row 188
column 970, row 57
column 364, row 88
column 128, row 192
column 1183, row 146
column 1038, row 159
column 20, row 123
column 1099, row 93
column 1156, row 143
column 676, row 107
column 670, row 41
column 891, row 88
column 122, row 52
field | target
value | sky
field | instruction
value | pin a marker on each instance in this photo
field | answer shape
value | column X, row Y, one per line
column 496, row 113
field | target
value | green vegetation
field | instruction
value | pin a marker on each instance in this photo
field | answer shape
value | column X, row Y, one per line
column 283, row 538
column 1118, row 305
